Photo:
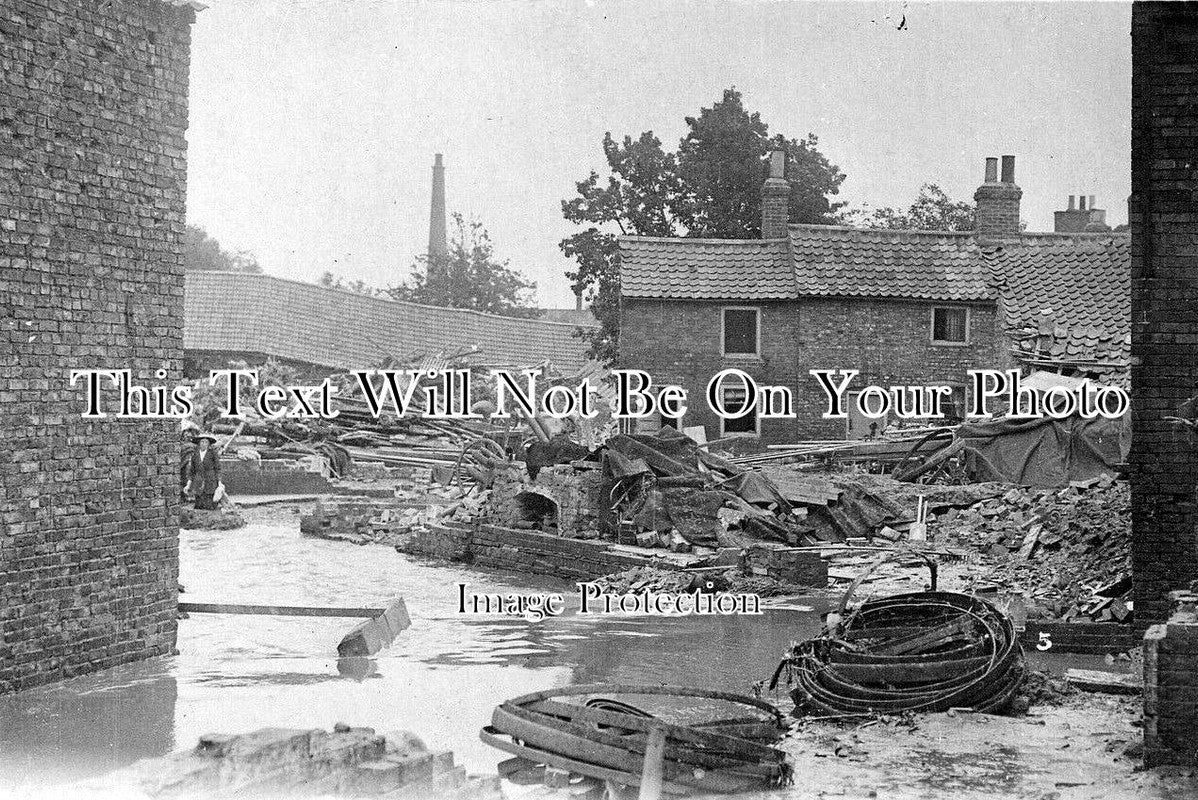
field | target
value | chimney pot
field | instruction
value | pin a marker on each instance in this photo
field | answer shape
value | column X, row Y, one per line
column 1072, row 203
column 1091, row 201
column 1008, row 169
column 1082, row 200
column 775, row 199
column 997, row 211
column 778, row 164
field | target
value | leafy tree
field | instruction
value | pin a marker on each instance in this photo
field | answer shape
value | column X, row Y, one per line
column 722, row 162
column 638, row 198
column 330, row 280
column 468, row 276
column 202, row 253
column 710, row 187
column 933, row 210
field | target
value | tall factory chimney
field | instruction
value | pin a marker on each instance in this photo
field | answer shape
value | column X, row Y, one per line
column 437, row 243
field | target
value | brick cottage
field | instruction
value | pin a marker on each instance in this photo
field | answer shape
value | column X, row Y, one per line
column 902, row 307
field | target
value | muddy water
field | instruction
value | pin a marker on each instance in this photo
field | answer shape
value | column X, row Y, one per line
column 440, row 679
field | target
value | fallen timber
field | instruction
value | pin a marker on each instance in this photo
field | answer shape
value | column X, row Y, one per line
column 376, row 631
column 611, row 740
column 923, row 651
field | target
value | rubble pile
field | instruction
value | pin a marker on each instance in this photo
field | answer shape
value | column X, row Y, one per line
column 1068, row 550
column 652, row 579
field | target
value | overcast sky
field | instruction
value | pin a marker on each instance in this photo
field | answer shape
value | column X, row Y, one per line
column 314, row 122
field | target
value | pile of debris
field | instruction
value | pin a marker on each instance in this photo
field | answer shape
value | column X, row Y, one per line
column 731, row 579
column 668, row 490
column 1068, row 550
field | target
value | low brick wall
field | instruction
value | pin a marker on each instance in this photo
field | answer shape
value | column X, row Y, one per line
column 246, row 478
column 582, row 559
column 532, row 552
column 1171, row 692
column 1086, row 638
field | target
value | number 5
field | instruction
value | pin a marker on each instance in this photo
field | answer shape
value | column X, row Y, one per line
column 1045, row 641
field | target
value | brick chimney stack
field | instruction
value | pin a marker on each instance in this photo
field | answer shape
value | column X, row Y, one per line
column 998, row 201
column 437, row 241
column 775, row 199
column 1080, row 218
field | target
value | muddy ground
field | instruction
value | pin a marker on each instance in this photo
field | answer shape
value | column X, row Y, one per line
column 1086, row 748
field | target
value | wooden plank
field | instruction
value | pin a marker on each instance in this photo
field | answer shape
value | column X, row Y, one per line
column 1093, row 680
column 278, row 611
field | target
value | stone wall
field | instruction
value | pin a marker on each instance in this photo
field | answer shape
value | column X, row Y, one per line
column 888, row 341
column 92, row 188
column 1163, row 211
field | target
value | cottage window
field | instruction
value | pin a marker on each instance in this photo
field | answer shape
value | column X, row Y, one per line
column 734, row 398
column 741, row 332
column 950, row 325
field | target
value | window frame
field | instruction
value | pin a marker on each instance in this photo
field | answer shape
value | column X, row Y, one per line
column 948, row 342
column 724, row 331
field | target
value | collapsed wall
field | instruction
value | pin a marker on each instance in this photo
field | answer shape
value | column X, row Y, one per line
column 93, row 172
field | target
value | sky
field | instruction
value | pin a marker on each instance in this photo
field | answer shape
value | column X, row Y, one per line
column 313, row 123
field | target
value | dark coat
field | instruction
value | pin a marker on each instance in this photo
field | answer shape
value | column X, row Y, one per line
column 204, row 474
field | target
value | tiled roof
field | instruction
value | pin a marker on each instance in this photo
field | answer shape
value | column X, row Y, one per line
column 229, row 311
column 1067, row 299
column 706, row 269
column 817, row 260
column 852, row 262
column 1084, row 278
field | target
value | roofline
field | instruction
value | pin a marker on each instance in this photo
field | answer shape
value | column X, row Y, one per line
column 800, row 296
column 1081, row 234
column 804, row 226
column 690, row 240
column 387, row 300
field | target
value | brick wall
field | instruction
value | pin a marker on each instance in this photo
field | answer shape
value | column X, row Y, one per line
column 1171, row 691
column 92, row 187
column 888, row 341
column 587, row 559
column 1164, row 224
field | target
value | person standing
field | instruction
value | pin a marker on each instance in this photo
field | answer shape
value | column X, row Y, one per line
column 205, row 472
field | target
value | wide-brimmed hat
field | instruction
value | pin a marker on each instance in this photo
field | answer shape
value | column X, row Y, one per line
column 207, row 436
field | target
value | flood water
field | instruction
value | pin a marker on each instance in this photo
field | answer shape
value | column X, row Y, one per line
column 440, row 679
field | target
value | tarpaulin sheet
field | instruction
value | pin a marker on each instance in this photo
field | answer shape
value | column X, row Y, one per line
column 1046, row 452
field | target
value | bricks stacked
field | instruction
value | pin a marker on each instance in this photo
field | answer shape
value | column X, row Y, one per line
column 93, row 170
column 887, row 340
column 1164, row 222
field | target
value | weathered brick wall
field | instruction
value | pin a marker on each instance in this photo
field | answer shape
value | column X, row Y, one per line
column 888, row 341
column 1163, row 211
column 1171, row 691
column 587, row 559
column 92, row 186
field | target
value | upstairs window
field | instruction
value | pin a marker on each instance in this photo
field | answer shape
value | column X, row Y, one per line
column 741, row 332
column 950, row 325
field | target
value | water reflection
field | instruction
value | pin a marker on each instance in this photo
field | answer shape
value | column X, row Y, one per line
column 88, row 725
column 440, row 678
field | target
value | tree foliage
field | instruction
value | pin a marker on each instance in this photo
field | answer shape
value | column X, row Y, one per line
column 468, row 276
column 932, row 210
column 709, row 187
column 202, row 253
column 331, row 280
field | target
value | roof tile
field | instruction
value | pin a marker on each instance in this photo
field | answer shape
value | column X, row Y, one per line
column 230, row 311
